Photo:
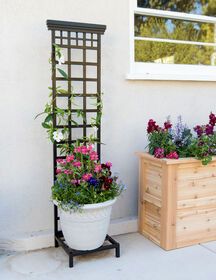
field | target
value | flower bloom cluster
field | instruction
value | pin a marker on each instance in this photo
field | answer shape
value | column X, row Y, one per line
column 172, row 143
column 82, row 168
column 159, row 152
column 153, row 127
column 172, row 155
column 207, row 129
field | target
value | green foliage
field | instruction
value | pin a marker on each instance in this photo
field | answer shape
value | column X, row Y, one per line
column 180, row 142
column 62, row 116
column 203, row 148
column 161, row 139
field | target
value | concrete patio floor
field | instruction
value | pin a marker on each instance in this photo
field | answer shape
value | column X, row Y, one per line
column 140, row 260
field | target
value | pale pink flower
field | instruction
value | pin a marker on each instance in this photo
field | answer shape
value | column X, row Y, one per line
column 90, row 148
column 68, row 172
column 77, row 150
column 97, row 168
column 74, row 181
column 93, row 155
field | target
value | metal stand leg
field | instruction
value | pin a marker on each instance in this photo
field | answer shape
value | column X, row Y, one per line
column 117, row 250
column 56, row 244
column 70, row 260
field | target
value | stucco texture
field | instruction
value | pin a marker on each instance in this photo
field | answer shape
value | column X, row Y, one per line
column 26, row 153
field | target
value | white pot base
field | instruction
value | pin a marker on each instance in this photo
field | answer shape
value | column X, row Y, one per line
column 86, row 230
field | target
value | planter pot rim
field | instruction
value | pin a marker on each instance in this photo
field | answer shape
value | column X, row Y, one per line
column 95, row 205
column 170, row 161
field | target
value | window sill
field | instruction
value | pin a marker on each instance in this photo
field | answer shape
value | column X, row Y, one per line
column 170, row 77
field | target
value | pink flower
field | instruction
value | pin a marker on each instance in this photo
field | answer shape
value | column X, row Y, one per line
column 90, row 148
column 58, row 171
column 70, row 158
column 60, row 160
column 172, row 155
column 68, row 172
column 93, row 155
column 84, row 150
column 87, row 176
column 77, row 150
column 77, row 164
column 159, row 152
column 109, row 164
column 97, row 168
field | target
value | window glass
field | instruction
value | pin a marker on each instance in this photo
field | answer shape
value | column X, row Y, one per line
column 164, row 28
column 199, row 7
column 173, row 53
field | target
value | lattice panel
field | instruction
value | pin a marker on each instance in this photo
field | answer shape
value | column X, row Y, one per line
column 80, row 44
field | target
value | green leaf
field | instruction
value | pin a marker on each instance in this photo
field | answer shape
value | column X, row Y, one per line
column 74, row 122
column 63, row 91
column 48, row 118
column 62, row 72
column 45, row 125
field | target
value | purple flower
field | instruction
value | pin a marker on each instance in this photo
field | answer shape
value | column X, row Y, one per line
column 94, row 182
column 212, row 119
column 209, row 129
column 199, row 130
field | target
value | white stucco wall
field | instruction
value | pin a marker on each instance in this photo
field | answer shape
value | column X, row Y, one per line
column 26, row 154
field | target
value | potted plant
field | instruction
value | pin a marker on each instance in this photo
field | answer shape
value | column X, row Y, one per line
column 85, row 191
column 177, row 199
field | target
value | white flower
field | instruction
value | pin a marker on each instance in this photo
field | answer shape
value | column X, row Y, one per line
column 58, row 136
column 61, row 59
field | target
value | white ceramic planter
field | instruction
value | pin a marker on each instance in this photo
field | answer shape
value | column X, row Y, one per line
column 86, row 230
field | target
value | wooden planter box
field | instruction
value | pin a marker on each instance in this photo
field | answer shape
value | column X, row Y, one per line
column 177, row 201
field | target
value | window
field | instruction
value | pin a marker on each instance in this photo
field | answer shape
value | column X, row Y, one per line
column 173, row 40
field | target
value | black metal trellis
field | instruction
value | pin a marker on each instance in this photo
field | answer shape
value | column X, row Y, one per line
column 85, row 39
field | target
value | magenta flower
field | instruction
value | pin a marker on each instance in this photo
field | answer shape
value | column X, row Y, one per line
column 167, row 125
column 159, row 153
column 152, row 126
column 109, row 164
column 60, row 160
column 70, row 158
column 77, row 164
column 87, row 176
column 172, row 155
column 58, row 170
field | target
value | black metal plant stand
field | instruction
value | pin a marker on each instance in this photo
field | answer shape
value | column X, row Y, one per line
column 81, row 43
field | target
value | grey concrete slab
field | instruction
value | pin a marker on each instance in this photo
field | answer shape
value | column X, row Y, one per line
column 140, row 260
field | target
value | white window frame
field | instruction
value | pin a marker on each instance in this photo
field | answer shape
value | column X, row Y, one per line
column 157, row 71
